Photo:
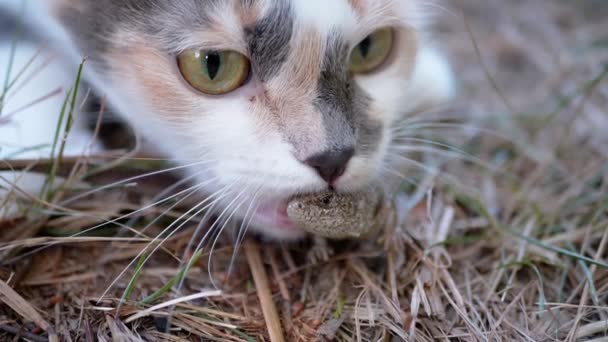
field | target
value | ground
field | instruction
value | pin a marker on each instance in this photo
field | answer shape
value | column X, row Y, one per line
column 510, row 244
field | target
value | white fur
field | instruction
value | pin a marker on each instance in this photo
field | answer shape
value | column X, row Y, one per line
column 27, row 130
column 326, row 15
column 432, row 82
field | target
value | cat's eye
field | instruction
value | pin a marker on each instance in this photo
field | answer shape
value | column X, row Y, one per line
column 371, row 53
column 214, row 72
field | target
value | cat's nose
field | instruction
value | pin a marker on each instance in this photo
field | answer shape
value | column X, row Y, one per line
column 330, row 165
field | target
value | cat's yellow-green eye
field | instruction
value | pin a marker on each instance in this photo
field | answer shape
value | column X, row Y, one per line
column 372, row 52
column 214, row 72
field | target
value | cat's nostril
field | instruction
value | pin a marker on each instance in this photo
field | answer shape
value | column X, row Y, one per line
column 331, row 164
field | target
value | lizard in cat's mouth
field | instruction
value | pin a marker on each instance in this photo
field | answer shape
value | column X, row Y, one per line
column 327, row 214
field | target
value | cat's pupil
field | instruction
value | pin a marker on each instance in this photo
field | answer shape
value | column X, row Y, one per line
column 214, row 61
column 365, row 46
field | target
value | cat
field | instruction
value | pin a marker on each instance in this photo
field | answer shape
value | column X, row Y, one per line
column 257, row 100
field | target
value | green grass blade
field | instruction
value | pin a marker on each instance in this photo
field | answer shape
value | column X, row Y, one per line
column 589, row 275
column 173, row 281
column 44, row 194
column 56, row 159
column 133, row 281
column 11, row 57
column 541, row 287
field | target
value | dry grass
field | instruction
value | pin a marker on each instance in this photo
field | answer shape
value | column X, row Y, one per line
column 515, row 253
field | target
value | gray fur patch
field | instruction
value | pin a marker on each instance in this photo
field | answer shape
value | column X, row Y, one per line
column 269, row 40
column 344, row 106
column 93, row 23
column 167, row 22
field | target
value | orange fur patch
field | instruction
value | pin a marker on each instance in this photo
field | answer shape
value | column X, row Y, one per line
column 288, row 101
column 303, row 65
column 155, row 80
column 249, row 14
column 358, row 6
column 407, row 50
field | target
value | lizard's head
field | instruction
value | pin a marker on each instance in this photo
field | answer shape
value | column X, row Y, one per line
column 321, row 206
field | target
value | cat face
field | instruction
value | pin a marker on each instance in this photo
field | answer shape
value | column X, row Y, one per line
column 301, row 116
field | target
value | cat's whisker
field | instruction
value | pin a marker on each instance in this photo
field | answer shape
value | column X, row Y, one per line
column 211, row 229
column 429, row 109
column 400, row 175
column 201, row 225
column 220, row 231
column 177, row 288
column 173, row 206
column 431, row 145
column 211, row 233
column 117, row 220
column 431, row 116
column 242, row 231
column 456, row 125
column 433, row 5
column 152, row 223
column 170, row 189
column 412, row 162
column 132, row 179
column 146, row 259
column 221, row 193
column 442, row 175
column 446, row 154
column 463, row 129
column 198, row 250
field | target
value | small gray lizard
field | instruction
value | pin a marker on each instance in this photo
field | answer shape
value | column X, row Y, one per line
column 338, row 215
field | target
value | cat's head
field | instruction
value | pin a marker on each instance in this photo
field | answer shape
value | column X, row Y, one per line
column 265, row 98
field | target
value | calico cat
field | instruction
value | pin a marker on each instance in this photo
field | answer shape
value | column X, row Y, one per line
column 257, row 100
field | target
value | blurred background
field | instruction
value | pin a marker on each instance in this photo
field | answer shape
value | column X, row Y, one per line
column 531, row 58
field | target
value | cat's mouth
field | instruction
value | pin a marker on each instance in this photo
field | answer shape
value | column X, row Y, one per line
column 271, row 217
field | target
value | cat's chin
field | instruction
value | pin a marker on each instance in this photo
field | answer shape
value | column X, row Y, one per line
column 270, row 219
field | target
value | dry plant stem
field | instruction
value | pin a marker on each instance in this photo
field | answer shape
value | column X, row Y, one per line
column 18, row 332
column 487, row 72
column 21, row 306
column 271, row 315
column 392, row 308
column 585, row 296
